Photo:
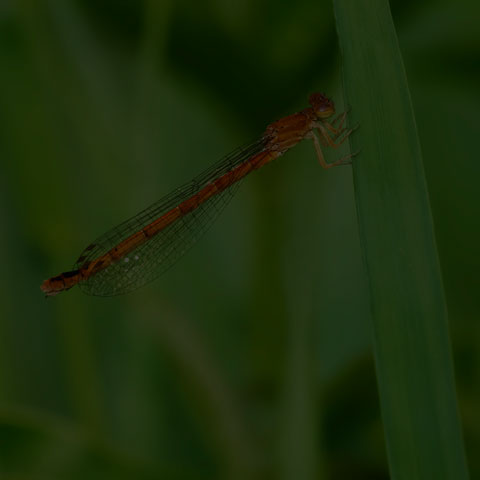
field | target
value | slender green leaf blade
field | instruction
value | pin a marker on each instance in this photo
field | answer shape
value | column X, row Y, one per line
column 411, row 343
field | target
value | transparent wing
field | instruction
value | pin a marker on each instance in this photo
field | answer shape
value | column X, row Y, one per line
column 161, row 251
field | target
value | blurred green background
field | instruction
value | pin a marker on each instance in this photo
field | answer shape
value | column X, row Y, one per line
column 251, row 358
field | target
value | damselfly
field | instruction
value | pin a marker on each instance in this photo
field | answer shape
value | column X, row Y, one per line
column 141, row 248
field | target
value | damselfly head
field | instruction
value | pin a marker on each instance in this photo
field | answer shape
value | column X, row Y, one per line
column 322, row 105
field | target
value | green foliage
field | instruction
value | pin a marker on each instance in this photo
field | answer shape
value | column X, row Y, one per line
column 250, row 359
column 410, row 332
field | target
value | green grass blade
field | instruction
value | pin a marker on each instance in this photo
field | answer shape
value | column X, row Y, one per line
column 411, row 343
